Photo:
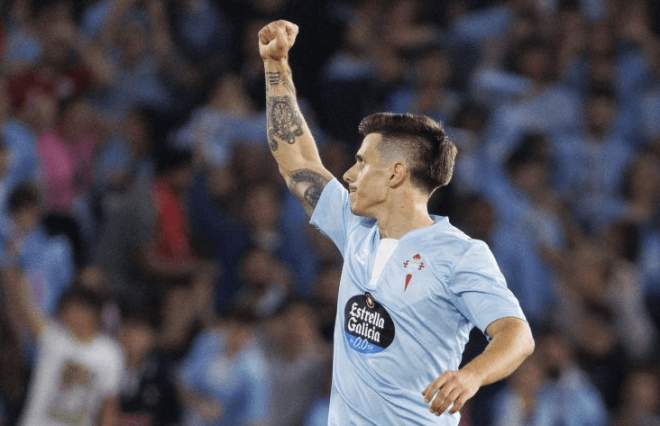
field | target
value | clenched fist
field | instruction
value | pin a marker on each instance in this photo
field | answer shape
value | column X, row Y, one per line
column 275, row 40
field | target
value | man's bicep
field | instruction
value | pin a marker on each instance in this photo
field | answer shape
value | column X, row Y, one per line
column 333, row 215
column 505, row 324
column 307, row 185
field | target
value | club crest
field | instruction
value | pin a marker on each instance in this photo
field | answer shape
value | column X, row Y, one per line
column 412, row 265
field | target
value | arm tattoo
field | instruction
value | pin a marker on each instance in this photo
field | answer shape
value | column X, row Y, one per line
column 287, row 84
column 307, row 186
column 274, row 78
column 284, row 122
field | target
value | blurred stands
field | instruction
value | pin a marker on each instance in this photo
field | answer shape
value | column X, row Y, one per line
column 555, row 108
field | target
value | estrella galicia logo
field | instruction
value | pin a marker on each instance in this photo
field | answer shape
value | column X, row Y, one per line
column 367, row 326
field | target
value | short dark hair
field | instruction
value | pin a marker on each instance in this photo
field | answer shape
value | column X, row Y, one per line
column 132, row 312
column 26, row 195
column 532, row 148
column 429, row 152
column 169, row 159
column 84, row 296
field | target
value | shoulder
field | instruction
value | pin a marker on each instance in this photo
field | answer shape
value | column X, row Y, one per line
column 445, row 236
column 207, row 343
column 110, row 347
column 253, row 358
column 446, row 243
column 54, row 333
column 48, row 140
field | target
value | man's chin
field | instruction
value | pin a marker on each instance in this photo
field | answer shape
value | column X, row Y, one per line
column 356, row 211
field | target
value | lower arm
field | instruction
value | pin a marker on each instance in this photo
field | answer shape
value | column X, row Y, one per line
column 510, row 345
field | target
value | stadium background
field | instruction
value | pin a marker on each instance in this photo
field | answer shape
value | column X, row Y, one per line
column 554, row 105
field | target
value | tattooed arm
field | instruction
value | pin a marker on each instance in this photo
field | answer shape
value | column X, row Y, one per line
column 289, row 138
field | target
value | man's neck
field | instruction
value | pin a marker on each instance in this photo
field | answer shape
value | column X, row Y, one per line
column 402, row 217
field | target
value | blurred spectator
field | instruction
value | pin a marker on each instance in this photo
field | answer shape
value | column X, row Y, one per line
column 14, row 367
column 78, row 370
column 625, row 292
column 318, row 412
column 539, row 103
column 579, row 399
column 219, row 235
column 261, row 214
column 224, row 379
column 250, row 164
column 147, row 69
column 265, row 282
column 46, row 262
column 640, row 192
column 467, row 132
column 228, row 116
column 146, row 251
column 5, row 185
column 476, row 217
column 532, row 225
column 525, row 400
column 576, row 81
column 66, row 66
column 429, row 90
column 326, row 290
column 19, row 159
column 588, row 317
column 123, row 160
column 66, row 153
column 640, row 398
column 147, row 393
column 533, row 397
column 201, row 31
column 409, row 26
column 296, row 357
column 281, row 232
column 364, row 64
column 592, row 162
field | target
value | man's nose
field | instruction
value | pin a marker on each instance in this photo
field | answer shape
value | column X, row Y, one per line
column 347, row 176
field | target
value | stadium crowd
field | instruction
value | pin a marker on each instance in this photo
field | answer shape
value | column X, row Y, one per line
column 136, row 182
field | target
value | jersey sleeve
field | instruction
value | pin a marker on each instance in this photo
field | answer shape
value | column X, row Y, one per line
column 333, row 216
column 113, row 371
column 53, row 336
column 259, row 389
column 194, row 366
column 480, row 290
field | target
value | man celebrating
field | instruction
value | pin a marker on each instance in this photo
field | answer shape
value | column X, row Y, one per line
column 412, row 285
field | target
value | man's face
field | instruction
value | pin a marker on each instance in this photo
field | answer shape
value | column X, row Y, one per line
column 26, row 218
column 180, row 178
column 137, row 339
column 81, row 319
column 368, row 178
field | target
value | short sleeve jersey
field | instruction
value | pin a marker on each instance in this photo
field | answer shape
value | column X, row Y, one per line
column 72, row 379
column 237, row 383
column 395, row 336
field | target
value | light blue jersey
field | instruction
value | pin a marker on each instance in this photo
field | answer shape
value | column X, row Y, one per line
column 394, row 338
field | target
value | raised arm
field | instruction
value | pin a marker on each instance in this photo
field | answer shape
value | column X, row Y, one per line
column 19, row 297
column 289, row 138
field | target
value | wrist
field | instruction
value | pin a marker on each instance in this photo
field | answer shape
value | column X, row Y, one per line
column 284, row 61
column 474, row 373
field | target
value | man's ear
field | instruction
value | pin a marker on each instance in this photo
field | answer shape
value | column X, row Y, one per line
column 399, row 173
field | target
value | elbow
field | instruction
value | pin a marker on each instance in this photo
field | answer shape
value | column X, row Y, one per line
column 527, row 342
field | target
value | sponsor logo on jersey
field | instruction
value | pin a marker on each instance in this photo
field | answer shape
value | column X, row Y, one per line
column 368, row 327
